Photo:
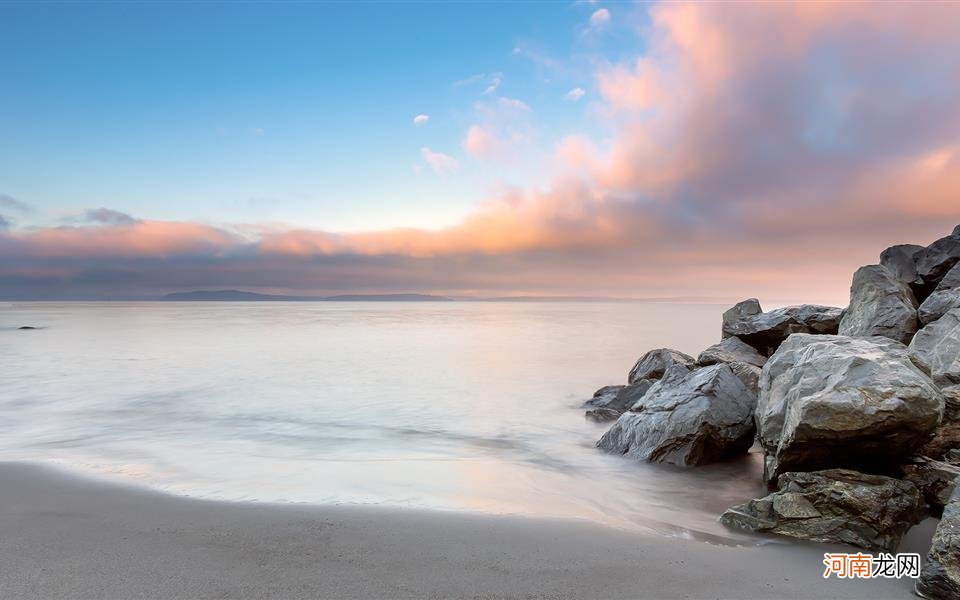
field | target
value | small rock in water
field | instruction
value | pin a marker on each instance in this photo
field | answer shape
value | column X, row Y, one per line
column 834, row 506
column 26, row 327
column 940, row 576
column 602, row 415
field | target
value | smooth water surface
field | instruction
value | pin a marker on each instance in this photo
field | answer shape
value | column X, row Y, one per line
column 462, row 405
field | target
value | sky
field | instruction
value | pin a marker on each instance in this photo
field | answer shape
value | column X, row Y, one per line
column 647, row 150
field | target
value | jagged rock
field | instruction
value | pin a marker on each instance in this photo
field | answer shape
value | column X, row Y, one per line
column 834, row 506
column 748, row 374
column 951, row 397
column 604, row 396
column 940, row 576
column 653, row 364
column 901, row 261
column 602, row 414
column 836, row 401
column 880, row 304
column 619, row 397
column 952, row 457
column 937, row 259
column 936, row 481
column 765, row 331
column 936, row 349
column 945, row 439
column 731, row 350
column 938, row 304
column 951, row 280
column 686, row 418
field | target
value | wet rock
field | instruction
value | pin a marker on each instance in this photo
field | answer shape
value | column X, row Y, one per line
column 653, row 364
column 731, row 350
column 940, row 576
column 936, row 349
column 765, row 331
column 945, row 439
column 936, row 481
column 834, row 506
column 836, row 401
column 686, row 418
column 602, row 414
column 938, row 304
column 620, row 397
column 604, row 396
column 937, row 259
column 26, row 328
column 901, row 261
column 880, row 304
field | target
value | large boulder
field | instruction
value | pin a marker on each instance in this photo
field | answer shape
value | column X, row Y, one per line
column 951, row 280
column 731, row 350
column 940, row 576
column 936, row 349
column 880, row 304
column 610, row 401
column 655, row 363
column 938, row 304
column 748, row 374
column 901, row 261
column 836, row 401
column 936, row 481
column 765, row 331
column 686, row 418
column 937, row 259
column 834, row 506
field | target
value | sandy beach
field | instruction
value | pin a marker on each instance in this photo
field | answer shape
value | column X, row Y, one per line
column 63, row 536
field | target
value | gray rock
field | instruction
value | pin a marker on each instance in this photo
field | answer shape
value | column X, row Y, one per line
column 686, row 418
column 740, row 311
column 603, row 397
column 880, row 304
column 937, row 259
column 834, row 506
column 653, row 364
column 951, row 280
column 945, row 440
column 731, row 350
column 765, row 331
column 610, row 401
column 835, row 401
column 936, row 481
column 951, row 396
column 602, row 414
column 938, row 304
column 901, row 261
column 940, row 576
column 936, row 349
column 748, row 374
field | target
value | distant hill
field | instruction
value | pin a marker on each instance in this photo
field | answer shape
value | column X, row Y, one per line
column 240, row 296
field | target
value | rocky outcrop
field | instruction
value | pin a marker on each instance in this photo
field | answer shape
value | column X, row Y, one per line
column 940, row 576
column 610, row 401
column 686, row 418
column 835, row 506
column 654, row 364
column 880, row 304
column 836, row 401
column 604, row 396
column 937, row 259
column 936, row 481
column 936, row 349
column 602, row 414
column 748, row 374
column 901, row 261
column 951, row 280
column 938, row 304
column 765, row 331
column 945, row 439
column 731, row 350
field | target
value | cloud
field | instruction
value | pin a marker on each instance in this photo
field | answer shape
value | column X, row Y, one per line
column 599, row 18
column 421, row 119
column 765, row 151
column 5, row 223
column 513, row 104
column 493, row 85
column 8, row 201
column 108, row 216
column 575, row 94
column 441, row 164
column 481, row 142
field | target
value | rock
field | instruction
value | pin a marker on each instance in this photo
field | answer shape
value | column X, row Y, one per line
column 936, row 349
column 604, row 396
column 951, row 280
column 738, row 312
column 653, row 364
column 940, row 576
column 748, row 374
column 901, row 261
column 686, row 418
column 834, row 506
column 765, row 331
column 602, row 414
column 951, row 397
column 952, row 457
column 26, row 328
column 938, row 304
column 880, row 304
column 731, row 350
column 836, row 401
column 936, row 481
column 937, row 259
column 620, row 397
column 945, row 439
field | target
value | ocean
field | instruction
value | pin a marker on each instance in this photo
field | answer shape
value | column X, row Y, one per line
column 462, row 406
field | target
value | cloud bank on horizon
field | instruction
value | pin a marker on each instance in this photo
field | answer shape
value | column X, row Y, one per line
column 762, row 151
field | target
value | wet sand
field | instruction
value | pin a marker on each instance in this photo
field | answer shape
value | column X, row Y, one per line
column 63, row 536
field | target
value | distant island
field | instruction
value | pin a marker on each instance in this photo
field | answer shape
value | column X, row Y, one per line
column 240, row 296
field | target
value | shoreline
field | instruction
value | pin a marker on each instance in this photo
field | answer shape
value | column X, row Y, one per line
column 68, row 536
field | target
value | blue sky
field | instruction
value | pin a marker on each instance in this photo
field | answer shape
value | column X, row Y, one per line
column 297, row 113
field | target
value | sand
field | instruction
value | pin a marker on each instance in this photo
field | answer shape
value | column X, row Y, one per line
column 63, row 536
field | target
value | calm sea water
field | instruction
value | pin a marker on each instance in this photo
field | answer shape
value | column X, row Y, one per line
column 460, row 406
